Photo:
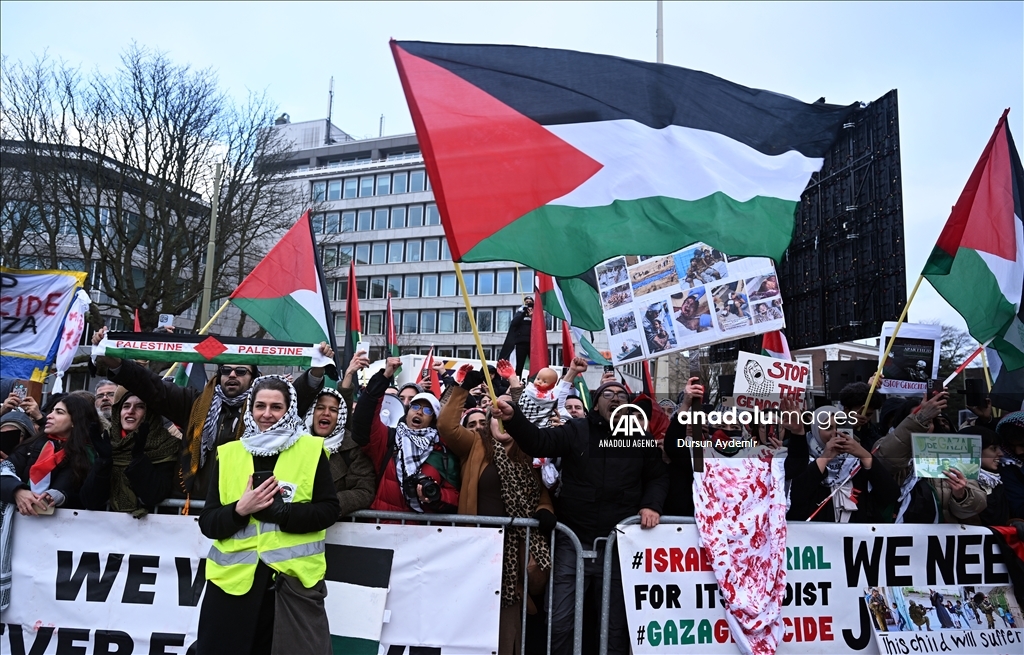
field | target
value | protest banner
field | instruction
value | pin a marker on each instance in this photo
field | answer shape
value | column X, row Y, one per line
column 163, row 347
column 103, row 582
column 74, row 325
column 33, row 305
column 673, row 603
column 763, row 381
column 693, row 297
column 913, row 360
column 936, row 453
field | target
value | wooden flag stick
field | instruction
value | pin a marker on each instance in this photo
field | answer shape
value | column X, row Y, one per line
column 202, row 330
column 476, row 335
column 892, row 340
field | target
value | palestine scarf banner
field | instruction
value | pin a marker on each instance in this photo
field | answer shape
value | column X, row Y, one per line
column 586, row 157
column 205, row 349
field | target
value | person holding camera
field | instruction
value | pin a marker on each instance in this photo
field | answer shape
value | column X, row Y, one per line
column 414, row 469
column 518, row 337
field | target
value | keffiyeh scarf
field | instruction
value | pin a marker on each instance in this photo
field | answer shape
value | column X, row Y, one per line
column 413, row 448
column 209, row 434
column 279, row 436
column 332, row 442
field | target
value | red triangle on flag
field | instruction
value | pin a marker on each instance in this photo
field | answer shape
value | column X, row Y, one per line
column 288, row 267
column 488, row 163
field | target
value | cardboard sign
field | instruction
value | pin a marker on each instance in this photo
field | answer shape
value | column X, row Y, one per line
column 764, row 381
column 913, row 360
column 936, row 453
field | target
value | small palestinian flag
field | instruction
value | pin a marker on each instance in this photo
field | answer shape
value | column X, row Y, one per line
column 977, row 264
column 585, row 157
column 391, row 349
column 285, row 292
column 353, row 324
column 575, row 301
column 774, row 344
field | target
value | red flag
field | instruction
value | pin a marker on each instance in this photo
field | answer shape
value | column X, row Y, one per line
column 538, row 336
column 435, row 380
column 353, row 325
column 392, row 345
column 138, row 326
column 568, row 349
column 648, row 382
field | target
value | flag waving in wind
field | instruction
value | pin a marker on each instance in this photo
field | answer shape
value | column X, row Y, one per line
column 559, row 160
column 977, row 264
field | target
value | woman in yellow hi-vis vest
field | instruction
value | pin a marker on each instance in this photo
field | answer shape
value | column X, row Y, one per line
column 270, row 502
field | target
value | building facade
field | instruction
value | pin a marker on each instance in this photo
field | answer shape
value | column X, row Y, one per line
column 372, row 202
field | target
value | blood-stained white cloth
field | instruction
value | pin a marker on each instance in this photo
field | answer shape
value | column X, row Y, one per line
column 741, row 517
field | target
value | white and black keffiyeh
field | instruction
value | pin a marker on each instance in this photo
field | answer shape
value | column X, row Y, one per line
column 332, row 442
column 537, row 410
column 209, row 434
column 413, row 447
column 278, row 437
column 838, row 472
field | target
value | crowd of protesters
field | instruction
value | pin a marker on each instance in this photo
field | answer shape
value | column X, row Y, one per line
column 139, row 439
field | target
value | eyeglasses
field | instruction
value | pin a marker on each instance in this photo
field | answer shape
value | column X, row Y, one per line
column 426, row 409
column 239, row 371
column 614, row 395
column 105, row 394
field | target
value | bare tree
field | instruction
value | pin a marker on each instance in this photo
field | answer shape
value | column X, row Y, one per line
column 118, row 171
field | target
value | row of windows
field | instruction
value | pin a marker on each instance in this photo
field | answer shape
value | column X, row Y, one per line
column 365, row 186
column 439, row 321
column 431, row 285
column 382, row 218
column 383, row 252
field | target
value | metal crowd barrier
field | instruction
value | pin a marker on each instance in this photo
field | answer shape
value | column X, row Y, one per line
column 404, row 518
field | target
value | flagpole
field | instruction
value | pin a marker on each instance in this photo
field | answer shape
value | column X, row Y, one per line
column 892, row 340
column 202, row 330
column 476, row 333
column 988, row 374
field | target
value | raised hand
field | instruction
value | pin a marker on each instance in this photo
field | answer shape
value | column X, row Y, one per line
column 505, row 368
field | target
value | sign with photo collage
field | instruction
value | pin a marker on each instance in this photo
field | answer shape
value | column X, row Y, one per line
column 693, row 297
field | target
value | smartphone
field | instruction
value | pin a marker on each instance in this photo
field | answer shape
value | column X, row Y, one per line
column 20, row 391
column 259, row 477
column 706, row 398
column 935, row 388
column 608, row 368
column 363, row 347
column 977, row 392
column 846, row 432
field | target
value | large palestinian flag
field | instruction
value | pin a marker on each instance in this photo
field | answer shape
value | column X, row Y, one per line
column 285, row 292
column 977, row 264
column 559, row 160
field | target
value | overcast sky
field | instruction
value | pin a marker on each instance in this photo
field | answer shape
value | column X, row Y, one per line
column 956, row 65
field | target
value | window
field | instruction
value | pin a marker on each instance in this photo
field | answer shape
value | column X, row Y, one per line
column 525, row 281
column 348, row 221
column 549, row 322
column 334, row 190
column 395, row 251
column 351, row 184
column 344, row 255
column 416, row 216
column 428, row 322
column 395, row 286
column 397, row 217
column 374, row 322
column 485, row 283
column 412, row 251
column 447, row 284
column 410, row 322
column 364, row 220
column 502, row 319
column 365, row 187
column 318, row 225
column 465, row 353
column 433, row 216
column 412, row 286
column 341, row 288
column 417, row 181
column 506, row 282
column 319, row 191
column 430, row 250
column 445, row 253
column 429, row 286
column 447, row 351
column 331, row 223
column 383, row 185
column 361, row 287
column 380, row 253
column 380, row 219
column 470, row 280
column 401, row 182
column 463, row 318
column 446, row 322
column 485, row 320
column 363, row 253
column 339, row 324
column 329, row 256
column 376, row 288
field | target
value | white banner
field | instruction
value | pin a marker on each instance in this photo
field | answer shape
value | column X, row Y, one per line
column 74, row 325
column 103, row 582
column 913, row 360
column 673, row 604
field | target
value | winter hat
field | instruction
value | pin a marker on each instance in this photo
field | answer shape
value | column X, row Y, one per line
column 415, row 386
column 22, row 420
column 988, row 437
column 471, row 410
column 609, row 385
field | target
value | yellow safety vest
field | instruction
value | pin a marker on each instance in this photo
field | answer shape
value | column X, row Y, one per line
column 231, row 564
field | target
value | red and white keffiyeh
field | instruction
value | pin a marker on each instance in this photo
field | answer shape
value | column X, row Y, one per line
column 741, row 517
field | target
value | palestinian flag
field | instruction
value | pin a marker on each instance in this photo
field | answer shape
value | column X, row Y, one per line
column 353, row 324
column 774, row 344
column 357, row 581
column 203, row 349
column 192, row 374
column 575, row 301
column 391, row 349
column 285, row 293
column 977, row 264
column 560, row 160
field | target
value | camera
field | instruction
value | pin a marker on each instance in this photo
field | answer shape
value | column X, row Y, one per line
column 431, row 489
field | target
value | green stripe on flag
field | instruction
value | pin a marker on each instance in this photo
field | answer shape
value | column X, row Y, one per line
column 646, row 226
column 973, row 291
column 353, row 646
column 283, row 318
column 226, row 358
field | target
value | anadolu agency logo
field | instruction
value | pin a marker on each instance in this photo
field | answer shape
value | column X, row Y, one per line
column 629, row 423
